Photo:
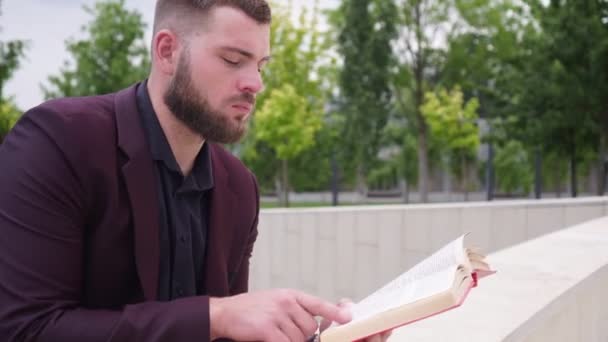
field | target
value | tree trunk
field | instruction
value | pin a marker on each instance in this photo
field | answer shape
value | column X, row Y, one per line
column 361, row 184
column 1, row 83
column 285, row 183
column 490, row 173
column 419, row 64
column 558, row 181
column 423, row 167
column 447, row 177
column 405, row 191
column 538, row 176
column 278, row 189
column 573, row 178
column 335, row 180
column 465, row 181
column 602, row 162
column 423, row 163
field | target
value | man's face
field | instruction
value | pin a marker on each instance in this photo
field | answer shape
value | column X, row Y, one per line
column 219, row 74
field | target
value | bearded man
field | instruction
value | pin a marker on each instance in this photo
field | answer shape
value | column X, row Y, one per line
column 123, row 219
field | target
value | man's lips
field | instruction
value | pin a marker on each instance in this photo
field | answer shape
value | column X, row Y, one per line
column 244, row 107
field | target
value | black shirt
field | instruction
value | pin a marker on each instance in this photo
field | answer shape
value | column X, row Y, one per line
column 183, row 209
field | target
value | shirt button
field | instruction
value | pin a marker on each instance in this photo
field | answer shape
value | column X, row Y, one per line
column 183, row 239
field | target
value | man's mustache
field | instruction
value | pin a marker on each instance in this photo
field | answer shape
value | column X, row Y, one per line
column 244, row 97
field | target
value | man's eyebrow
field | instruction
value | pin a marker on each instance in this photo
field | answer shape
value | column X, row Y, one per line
column 244, row 52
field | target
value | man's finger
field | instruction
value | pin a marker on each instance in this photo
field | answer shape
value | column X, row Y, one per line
column 343, row 303
column 291, row 330
column 276, row 335
column 318, row 307
column 305, row 322
column 325, row 323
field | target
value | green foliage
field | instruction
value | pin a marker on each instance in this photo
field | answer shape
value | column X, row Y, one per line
column 11, row 53
column 400, row 139
column 453, row 122
column 513, row 168
column 555, row 171
column 366, row 29
column 453, row 128
column 112, row 56
column 383, row 176
column 563, row 81
column 298, row 50
column 538, row 68
column 9, row 114
column 285, row 123
column 421, row 22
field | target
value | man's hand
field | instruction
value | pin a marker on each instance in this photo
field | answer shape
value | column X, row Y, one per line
column 271, row 316
column 346, row 303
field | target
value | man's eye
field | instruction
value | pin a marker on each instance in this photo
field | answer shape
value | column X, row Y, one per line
column 230, row 62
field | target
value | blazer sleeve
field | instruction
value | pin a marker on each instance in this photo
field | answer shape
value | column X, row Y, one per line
column 241, row 282
column 42, row 217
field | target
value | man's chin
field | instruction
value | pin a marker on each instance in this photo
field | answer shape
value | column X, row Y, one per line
column 233, row 138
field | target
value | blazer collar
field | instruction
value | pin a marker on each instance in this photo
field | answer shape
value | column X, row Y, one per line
column 223, row 225
column 140, row 180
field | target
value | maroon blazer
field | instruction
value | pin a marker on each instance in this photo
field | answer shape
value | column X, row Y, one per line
column 79, row 229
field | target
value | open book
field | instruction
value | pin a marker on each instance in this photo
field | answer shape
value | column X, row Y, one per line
column 438, row 283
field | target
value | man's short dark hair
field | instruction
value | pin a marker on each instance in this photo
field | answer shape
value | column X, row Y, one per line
column 184, row 15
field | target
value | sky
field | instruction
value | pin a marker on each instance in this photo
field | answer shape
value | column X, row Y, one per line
column 46, row 25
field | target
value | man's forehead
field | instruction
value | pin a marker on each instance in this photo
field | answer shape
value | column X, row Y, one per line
column 227, row 26
column 227, row 17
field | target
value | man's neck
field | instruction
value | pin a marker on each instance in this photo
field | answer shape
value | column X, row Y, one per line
column 184, row 143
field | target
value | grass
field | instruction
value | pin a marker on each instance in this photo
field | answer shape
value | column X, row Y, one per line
column 275, row 205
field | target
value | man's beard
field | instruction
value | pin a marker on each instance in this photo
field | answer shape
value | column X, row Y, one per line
column 194, row 110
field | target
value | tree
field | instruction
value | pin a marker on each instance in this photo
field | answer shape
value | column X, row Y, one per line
column 564, row 81
column 485, row 56
column 453, row 126
column 513, row 169
column 113, row 55
column 299, row 57
column 11, row 53
column 288, row 127
column 9, row 114
column 484, row 53
column 421, row 23
column 400, row 168
column 366, row 29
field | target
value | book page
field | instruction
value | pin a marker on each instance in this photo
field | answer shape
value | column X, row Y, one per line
column 433, row 275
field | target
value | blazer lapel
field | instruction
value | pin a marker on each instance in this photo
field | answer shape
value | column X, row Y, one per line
column 139, row 176
column 221, row 230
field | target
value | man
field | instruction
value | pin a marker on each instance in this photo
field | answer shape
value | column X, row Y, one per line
column 123, row 220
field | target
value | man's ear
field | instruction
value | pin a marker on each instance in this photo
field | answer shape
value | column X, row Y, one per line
column 165, row 51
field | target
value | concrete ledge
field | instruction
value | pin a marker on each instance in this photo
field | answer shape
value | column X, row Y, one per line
column 552, row 288
column 351, row 251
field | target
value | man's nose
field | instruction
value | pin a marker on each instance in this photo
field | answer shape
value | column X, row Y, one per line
column 251, row 82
